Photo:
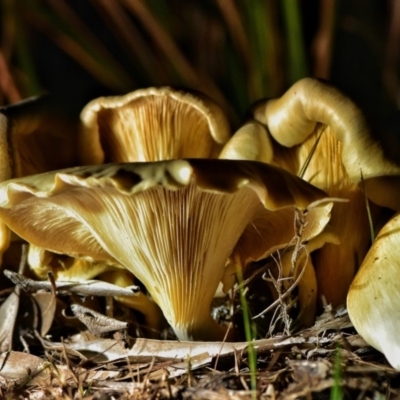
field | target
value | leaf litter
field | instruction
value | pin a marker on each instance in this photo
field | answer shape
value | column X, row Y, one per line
column 56, row 343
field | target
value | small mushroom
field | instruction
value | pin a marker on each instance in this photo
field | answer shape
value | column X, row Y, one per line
column 68, row 269
column 321, row 135
column 173, row 224
column 374, row 295
column 250, row 142
column 35, row 137
column 151, row 125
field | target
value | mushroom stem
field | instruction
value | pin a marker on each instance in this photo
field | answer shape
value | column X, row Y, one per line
column 205, row 329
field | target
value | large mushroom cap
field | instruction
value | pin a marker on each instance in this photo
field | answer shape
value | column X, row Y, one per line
column 150, row 125
column 374, row 296
column 173, row 224
column 294, row 117
column 320, row 134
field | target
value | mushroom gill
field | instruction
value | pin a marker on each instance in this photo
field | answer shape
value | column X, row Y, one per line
column 151, row 125
column 173, row 224
column 322, row 136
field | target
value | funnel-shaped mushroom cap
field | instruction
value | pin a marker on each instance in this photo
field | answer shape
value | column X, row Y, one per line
column 321, row 135
column 374, row 296
column 272, row 231
column 173, row 224
column 150, row 125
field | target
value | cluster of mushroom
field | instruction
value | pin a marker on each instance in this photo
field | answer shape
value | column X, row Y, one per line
column 168, row 194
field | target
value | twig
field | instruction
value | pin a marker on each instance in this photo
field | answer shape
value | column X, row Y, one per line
column 86, row 288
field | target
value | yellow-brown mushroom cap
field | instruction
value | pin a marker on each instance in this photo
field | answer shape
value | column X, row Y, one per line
column 152, row 124
column 294, row 117
column 173, row 224
column 320, row 134
column 373, row 301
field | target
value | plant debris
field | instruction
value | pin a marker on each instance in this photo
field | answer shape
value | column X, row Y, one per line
column 292, row 366
column 87, row 288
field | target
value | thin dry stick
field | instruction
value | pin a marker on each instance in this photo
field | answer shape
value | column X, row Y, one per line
column 370, row 221
column 298, row 248
column 230, row 326
column 283, row 307
column 299, row 226
column 286, row 294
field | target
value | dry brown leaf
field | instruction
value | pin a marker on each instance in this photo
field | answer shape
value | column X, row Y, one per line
column 8, row 315
column 97, row 323
column 23, row 368
column 46, row 303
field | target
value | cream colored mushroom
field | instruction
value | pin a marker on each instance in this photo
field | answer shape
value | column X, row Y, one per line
column 150, row 125
column 374, row 296
column 313, row 125
column 250, row 142
column 173, row 224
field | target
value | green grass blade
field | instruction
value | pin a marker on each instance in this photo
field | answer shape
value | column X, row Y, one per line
column 336, row 391
column 296, row 57
column 250, row 333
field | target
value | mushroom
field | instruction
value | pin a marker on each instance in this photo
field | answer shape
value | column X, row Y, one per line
column 321, row 135
column 374, row 295
column 151, row 125
column 251, row 142
column 64, row 268
column 173, row 224
column 32, row 133
column 146, row 125
column 270, row 233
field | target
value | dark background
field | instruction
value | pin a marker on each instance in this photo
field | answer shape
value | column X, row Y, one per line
column 235, row 51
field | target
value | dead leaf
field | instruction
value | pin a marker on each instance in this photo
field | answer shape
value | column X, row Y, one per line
column 23, row 368
column 8, row 315
column 97, row 323
column 46, row 303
